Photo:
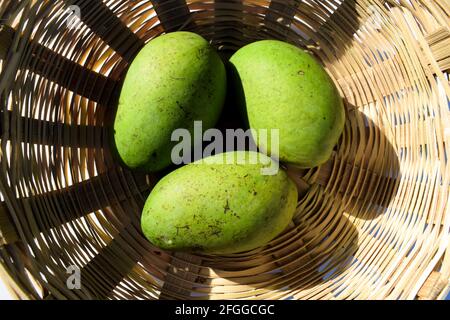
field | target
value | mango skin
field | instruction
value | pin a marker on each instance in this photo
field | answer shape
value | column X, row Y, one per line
column 218, row 208
column 282, row 87
column 176, row 79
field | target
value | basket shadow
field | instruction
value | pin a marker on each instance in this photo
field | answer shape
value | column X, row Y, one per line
column 233, row 115
column 365, row 170
column 338, row 30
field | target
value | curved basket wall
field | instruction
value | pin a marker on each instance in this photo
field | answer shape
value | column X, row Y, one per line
column 373, row 223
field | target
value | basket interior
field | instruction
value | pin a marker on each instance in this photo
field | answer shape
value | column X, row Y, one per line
column 373, row 222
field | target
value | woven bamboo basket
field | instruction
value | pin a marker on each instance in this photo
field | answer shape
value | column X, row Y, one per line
column 372, row 223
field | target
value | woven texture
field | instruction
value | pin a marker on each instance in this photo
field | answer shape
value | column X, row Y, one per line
column 373, row 222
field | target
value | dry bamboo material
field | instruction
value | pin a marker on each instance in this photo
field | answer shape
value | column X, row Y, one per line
column 372, row 223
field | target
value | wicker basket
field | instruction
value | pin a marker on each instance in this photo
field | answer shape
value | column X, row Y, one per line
column 372, row 223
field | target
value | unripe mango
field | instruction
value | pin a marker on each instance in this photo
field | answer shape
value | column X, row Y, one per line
column 219, row 208
column 176, row 79
column 283, row 87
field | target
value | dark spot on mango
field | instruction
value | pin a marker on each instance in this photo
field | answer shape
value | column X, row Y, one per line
column 226, row 207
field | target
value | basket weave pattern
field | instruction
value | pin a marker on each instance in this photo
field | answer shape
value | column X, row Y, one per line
column 373, row 222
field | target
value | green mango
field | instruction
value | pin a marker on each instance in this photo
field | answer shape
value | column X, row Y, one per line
column 176, row 79
column 218, row 206
column 283, row 87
